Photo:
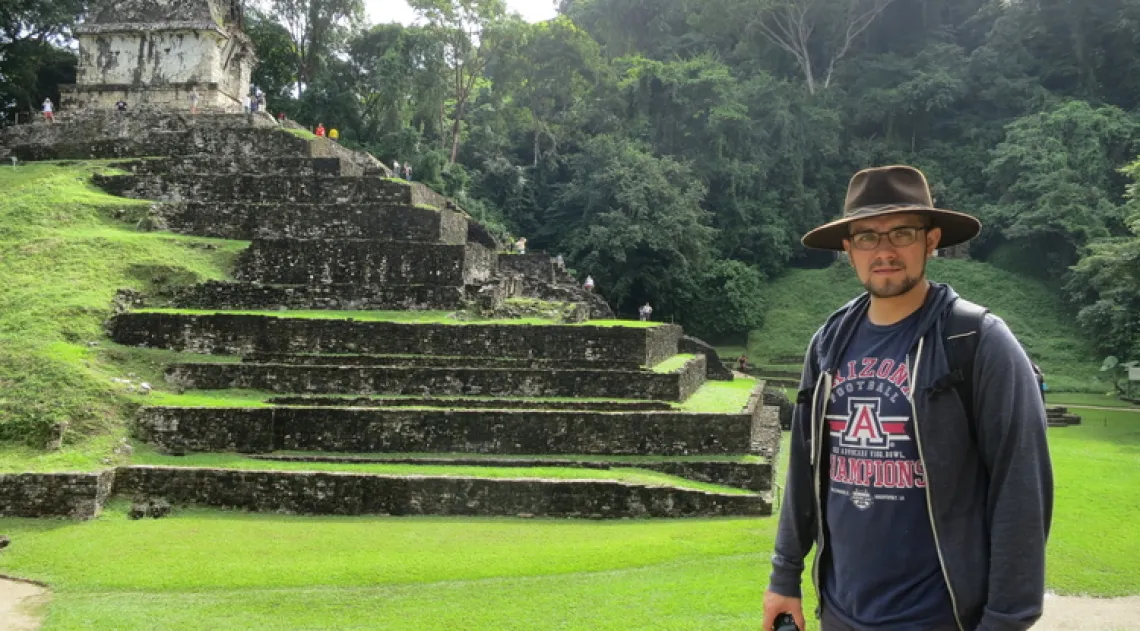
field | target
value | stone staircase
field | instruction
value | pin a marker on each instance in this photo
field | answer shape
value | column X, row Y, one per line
column 1058, row 416
column 328, row 230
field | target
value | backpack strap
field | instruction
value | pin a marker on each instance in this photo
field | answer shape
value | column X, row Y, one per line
column 962, row 331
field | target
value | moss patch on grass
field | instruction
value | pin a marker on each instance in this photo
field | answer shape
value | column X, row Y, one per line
column 674, row 363
column 720, row 397
column 301, row 133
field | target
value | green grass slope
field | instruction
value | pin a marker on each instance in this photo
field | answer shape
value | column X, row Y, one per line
column 65, row 249
column 801, row 300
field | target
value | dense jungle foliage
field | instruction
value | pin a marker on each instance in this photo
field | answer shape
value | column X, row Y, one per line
column 677, row 149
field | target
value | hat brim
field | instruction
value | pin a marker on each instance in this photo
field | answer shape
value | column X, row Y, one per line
column 957, row 228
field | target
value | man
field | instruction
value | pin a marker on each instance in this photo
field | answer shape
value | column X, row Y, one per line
column 49, row 110
column 320, row 130
column 121, row 106
column 194, row 100
column 645, row 312
column 925, row 516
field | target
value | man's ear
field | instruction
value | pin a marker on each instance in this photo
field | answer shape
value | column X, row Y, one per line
column 847, row 249
column 933, row 237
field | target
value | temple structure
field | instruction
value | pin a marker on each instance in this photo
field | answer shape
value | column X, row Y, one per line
column 156, row 53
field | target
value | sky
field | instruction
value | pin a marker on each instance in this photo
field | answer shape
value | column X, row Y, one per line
column 397, row 10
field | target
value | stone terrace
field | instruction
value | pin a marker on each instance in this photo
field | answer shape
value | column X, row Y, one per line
column 328, row 229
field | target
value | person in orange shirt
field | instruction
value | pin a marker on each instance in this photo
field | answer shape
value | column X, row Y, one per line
column 320, row 130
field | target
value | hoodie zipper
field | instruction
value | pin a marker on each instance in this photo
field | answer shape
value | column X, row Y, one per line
column 816, row 455
column 926, row 472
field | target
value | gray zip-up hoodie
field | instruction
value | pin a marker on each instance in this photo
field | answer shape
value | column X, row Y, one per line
column 989, row 495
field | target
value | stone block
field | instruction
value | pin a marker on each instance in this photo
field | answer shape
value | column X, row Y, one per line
column 242, row 334
column 502, row 432
column 70, row 495
column 363, row 262
column 538, row 266
column 368, row 220
column 319, row 493
column 434, row 361
column 443, row 380
column 256, row 296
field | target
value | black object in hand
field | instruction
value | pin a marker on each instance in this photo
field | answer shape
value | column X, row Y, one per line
column 785, row 622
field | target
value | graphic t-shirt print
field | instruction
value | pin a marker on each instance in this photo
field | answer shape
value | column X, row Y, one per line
column 873, row 457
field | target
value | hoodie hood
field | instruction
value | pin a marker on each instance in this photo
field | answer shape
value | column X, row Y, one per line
column 840, row 327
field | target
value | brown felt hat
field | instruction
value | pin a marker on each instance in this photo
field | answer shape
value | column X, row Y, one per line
column 887, row 190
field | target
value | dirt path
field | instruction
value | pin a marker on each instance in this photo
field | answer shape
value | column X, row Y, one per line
column 21, row 605
column 1080, row 613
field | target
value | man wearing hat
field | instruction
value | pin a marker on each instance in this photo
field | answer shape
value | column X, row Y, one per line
column 928, row 508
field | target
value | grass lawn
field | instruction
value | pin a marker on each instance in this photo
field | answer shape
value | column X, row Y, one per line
column 205, row 569
column 801, row 300
column 1088, row 399
column 673, row 363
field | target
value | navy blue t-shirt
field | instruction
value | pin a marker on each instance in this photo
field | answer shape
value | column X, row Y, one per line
column 880, row 567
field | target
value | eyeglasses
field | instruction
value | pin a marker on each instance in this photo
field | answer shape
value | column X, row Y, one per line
column 899, row 237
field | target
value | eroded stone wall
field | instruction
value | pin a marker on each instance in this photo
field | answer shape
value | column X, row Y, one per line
column 71, row 495
column 363, row 262
column 376, row 430
column 442, row 381
column 356, row 494
column 224, row 295
column 243, row 334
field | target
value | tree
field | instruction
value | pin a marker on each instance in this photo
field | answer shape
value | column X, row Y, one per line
column 466, row 27
column 276, row 70
column 317, row 28
column 1055, row 181
column 818, row 33
column 1105, row 284
column 632, row 220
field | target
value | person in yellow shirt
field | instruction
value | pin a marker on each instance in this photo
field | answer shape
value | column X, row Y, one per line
column 334, row 135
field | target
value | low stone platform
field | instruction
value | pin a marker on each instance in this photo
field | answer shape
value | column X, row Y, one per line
column 82, row 495
column 364, row 262
column 335, row 296
column 232, row 334
column 246, row 221
column 442, row 380
column 428, row 430
column 752, row 476
column 435, row 361
column 272, row 188
column 322, row 493
column 1057, row 416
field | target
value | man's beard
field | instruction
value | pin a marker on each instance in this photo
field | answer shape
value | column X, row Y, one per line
column 893, row 288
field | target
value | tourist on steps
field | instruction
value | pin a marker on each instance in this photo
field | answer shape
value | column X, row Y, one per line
column 408, row 171
column 193, row 100
column 645, row 312
column 49, row 114
column 918, row 466
column 334, row 134
column 589, row 284
column 320, row 130
column 121, row 107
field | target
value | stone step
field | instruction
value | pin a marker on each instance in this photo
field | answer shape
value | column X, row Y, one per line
column 373, row 219
column 86, row 138
column 364, row 262
column 232, row 334
column 752, row 475
column 422, row 430
column 339, row 297
column 337, row 493
column 443, row 380
column 303, row 359
column 203, row 166
column 267, row 189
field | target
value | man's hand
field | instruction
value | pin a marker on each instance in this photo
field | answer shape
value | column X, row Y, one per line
column 775, row 604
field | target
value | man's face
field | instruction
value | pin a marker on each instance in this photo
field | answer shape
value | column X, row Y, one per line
column 888, row 270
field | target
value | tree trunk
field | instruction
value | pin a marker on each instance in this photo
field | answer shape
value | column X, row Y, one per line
column 455, row 128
